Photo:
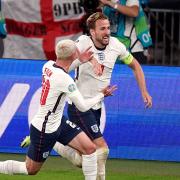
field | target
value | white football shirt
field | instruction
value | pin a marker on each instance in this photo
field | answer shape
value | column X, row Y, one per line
column 56, row 86
column 88, row 83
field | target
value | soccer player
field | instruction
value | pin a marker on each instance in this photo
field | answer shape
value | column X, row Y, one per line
column 49, row 125
column 106, row 50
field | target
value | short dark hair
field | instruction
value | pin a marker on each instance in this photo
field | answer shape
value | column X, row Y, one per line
column 91, row 21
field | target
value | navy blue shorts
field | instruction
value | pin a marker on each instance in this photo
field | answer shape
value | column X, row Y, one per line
column 88, row 121
column 42, row 143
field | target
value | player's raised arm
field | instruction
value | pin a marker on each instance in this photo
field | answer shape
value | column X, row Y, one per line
column 83, row 57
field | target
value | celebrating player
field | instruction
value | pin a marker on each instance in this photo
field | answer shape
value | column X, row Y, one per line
column 106, row 50
column 49, row 125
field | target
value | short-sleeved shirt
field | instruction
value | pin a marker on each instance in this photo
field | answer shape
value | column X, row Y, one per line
column 56, row 85
column 88, row 83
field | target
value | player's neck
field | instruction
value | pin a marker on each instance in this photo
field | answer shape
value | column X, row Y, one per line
column 63, row 64
column 98, row 45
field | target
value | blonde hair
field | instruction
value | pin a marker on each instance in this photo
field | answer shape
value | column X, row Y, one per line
column 65, row 48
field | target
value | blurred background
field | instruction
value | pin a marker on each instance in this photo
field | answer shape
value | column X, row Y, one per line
column 33, row 29
column 164, row 20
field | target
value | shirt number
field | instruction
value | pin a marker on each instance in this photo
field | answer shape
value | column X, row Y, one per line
column 45, row 91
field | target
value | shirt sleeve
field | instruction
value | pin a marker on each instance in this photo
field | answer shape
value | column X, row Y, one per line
column 82, row 43
column 132, row 3
column 82, row 104
column 76, row 97
column 124, row 54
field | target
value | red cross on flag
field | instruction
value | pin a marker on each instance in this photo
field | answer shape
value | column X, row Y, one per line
column 35, row 26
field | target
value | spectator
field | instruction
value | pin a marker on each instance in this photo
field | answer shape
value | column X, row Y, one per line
column 129, row 25
column 89, row 7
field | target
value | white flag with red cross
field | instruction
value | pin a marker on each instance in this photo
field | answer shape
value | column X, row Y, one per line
column 35, row 26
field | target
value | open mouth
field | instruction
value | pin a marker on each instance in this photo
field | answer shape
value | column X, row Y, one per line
column 106, row 38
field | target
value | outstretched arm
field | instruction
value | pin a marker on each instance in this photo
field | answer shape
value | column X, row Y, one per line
column 139, row 75
column 85, row 104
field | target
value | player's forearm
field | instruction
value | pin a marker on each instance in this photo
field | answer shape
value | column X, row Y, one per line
column 140, row 79
column 139, row 75
column 128, row 11
column 76, row 63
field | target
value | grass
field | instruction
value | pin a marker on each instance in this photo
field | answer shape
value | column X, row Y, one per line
column 58, row 168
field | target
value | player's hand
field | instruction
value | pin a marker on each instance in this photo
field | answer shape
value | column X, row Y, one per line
column 147, row 99
column 97, row 68
column 85, row 56
column 108, row 91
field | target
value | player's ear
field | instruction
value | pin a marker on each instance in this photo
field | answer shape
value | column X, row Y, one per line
column 91, row 32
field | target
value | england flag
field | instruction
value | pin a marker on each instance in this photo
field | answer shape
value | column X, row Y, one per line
column 35, row 26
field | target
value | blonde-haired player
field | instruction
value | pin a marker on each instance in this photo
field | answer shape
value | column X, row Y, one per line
column 49, row 125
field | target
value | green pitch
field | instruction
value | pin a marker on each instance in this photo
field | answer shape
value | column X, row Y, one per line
column 56, row 168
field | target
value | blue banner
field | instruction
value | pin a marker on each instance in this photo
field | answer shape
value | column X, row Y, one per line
column 132, row 132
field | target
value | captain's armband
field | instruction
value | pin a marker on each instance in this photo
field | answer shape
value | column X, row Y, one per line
column 128, row 59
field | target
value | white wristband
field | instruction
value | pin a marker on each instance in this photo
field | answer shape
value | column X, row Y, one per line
column 115, row 6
